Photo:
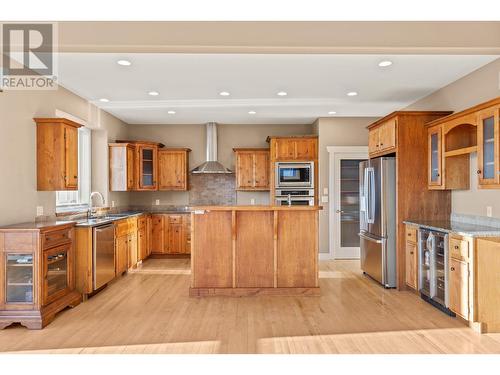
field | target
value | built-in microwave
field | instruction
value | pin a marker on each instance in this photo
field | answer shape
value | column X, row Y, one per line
column 294, row 174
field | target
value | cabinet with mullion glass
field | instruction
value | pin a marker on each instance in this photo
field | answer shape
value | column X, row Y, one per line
column 488, row 147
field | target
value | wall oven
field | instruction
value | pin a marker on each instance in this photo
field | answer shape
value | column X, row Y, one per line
column 294, row 197
column 294, row 174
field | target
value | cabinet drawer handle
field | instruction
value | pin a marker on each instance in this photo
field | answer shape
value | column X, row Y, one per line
column 456, row 247
column 453, row 268
column 411, row 252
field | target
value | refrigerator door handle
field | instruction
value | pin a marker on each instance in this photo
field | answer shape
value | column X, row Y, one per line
column 370, row 184
column 369, row 238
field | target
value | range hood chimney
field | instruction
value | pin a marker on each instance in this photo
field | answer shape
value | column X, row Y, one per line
column 211, row 165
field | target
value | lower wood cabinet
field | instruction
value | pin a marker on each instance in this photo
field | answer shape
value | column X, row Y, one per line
column 171, row 233
column 411, row 258
column 37, row 274
column 458, row 287
column 121, row 255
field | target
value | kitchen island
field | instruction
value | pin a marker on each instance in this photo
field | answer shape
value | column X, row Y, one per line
column 247, row 250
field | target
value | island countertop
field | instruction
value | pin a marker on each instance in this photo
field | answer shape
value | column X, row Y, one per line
column 247, row 250
column 256, row 208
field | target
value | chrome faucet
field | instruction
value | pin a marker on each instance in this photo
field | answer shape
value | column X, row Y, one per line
column 91, row 206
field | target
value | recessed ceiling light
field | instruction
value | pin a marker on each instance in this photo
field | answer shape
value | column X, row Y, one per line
column 385, row 63
column 352, row 93
column 171, row 112
column 153, row 93
column 224, row 93
column 124, row 62
column 104, row 100
column 252, row 112
column 332, row 113
column 282, row 93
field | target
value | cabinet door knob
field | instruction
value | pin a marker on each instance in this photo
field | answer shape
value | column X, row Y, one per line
column 456, row 247
column 478, row 171
column 411, row 252
column 452, row 268
column 438, row 175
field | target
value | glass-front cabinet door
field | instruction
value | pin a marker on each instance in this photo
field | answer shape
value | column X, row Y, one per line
column 147, row 168
column 19, row 275
column 56, row 273
column 488, row 147
column 435, row 155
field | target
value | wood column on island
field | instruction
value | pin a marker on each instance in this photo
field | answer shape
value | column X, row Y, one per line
column 246, row 250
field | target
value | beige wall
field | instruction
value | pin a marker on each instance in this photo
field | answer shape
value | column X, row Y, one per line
column 18, row 194
column 335, row 131
column 193, row 136
column 477, row 87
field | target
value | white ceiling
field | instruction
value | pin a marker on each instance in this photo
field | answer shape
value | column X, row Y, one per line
column 189, row 84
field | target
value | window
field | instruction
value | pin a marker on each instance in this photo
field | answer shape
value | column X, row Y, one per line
column 80, row 197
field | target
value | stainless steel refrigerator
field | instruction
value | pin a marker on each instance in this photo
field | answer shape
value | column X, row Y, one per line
column 377, row 190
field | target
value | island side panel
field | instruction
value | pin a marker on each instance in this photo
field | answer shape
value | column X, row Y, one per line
column 297, row 249
column 212, row 250
column 254, row 249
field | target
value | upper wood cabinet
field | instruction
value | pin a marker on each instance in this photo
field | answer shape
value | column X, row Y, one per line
column 133, row 165
column 300, row 148
column 252, row 168
column 454, row 138
column 382, row 137
column 173, row 167
column 57, row 154
column 121, row 167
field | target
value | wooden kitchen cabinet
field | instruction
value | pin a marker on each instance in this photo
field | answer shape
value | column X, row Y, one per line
column 252, row 168
column 121, row 256
column 37, row 273
column 173, row 166
column 141, row 162
column 122, row 167
column 382, row 138
column 411, row 269
column 459, row 288
column 475, row 129
column 488, row 149
column 299, row 148
column 142, row 238
column 126, row 244
column 57, row 154
column 171, row 233
column 157, row 234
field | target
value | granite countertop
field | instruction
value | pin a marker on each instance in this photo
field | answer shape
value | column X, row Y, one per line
column 131, row 213
column 461, row 228
column 41, row 225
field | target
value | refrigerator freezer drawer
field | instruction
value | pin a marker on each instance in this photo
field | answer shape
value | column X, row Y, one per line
column 371, row 257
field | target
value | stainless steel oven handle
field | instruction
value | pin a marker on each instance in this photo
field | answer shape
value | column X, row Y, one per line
column 369, row 238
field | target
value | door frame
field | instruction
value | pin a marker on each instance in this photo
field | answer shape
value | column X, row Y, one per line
column 336, row 153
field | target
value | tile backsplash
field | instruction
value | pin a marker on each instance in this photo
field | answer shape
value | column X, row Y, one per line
column 212, row 189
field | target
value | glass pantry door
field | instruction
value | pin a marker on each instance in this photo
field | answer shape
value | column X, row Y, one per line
column 346, row 226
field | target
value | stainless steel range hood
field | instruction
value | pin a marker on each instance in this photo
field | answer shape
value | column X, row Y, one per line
column 211, row 165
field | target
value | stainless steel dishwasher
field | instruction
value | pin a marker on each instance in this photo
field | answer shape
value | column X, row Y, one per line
column 103, row 262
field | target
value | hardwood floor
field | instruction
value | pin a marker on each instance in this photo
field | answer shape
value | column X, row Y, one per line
column 149, row 311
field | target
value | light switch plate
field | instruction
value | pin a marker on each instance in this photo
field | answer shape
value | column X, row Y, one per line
column 112, row 203
column 157, row 202
column 325, row 191
column 324, row 199
column 39, row 210
column 489, row 211
column 252, row 201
